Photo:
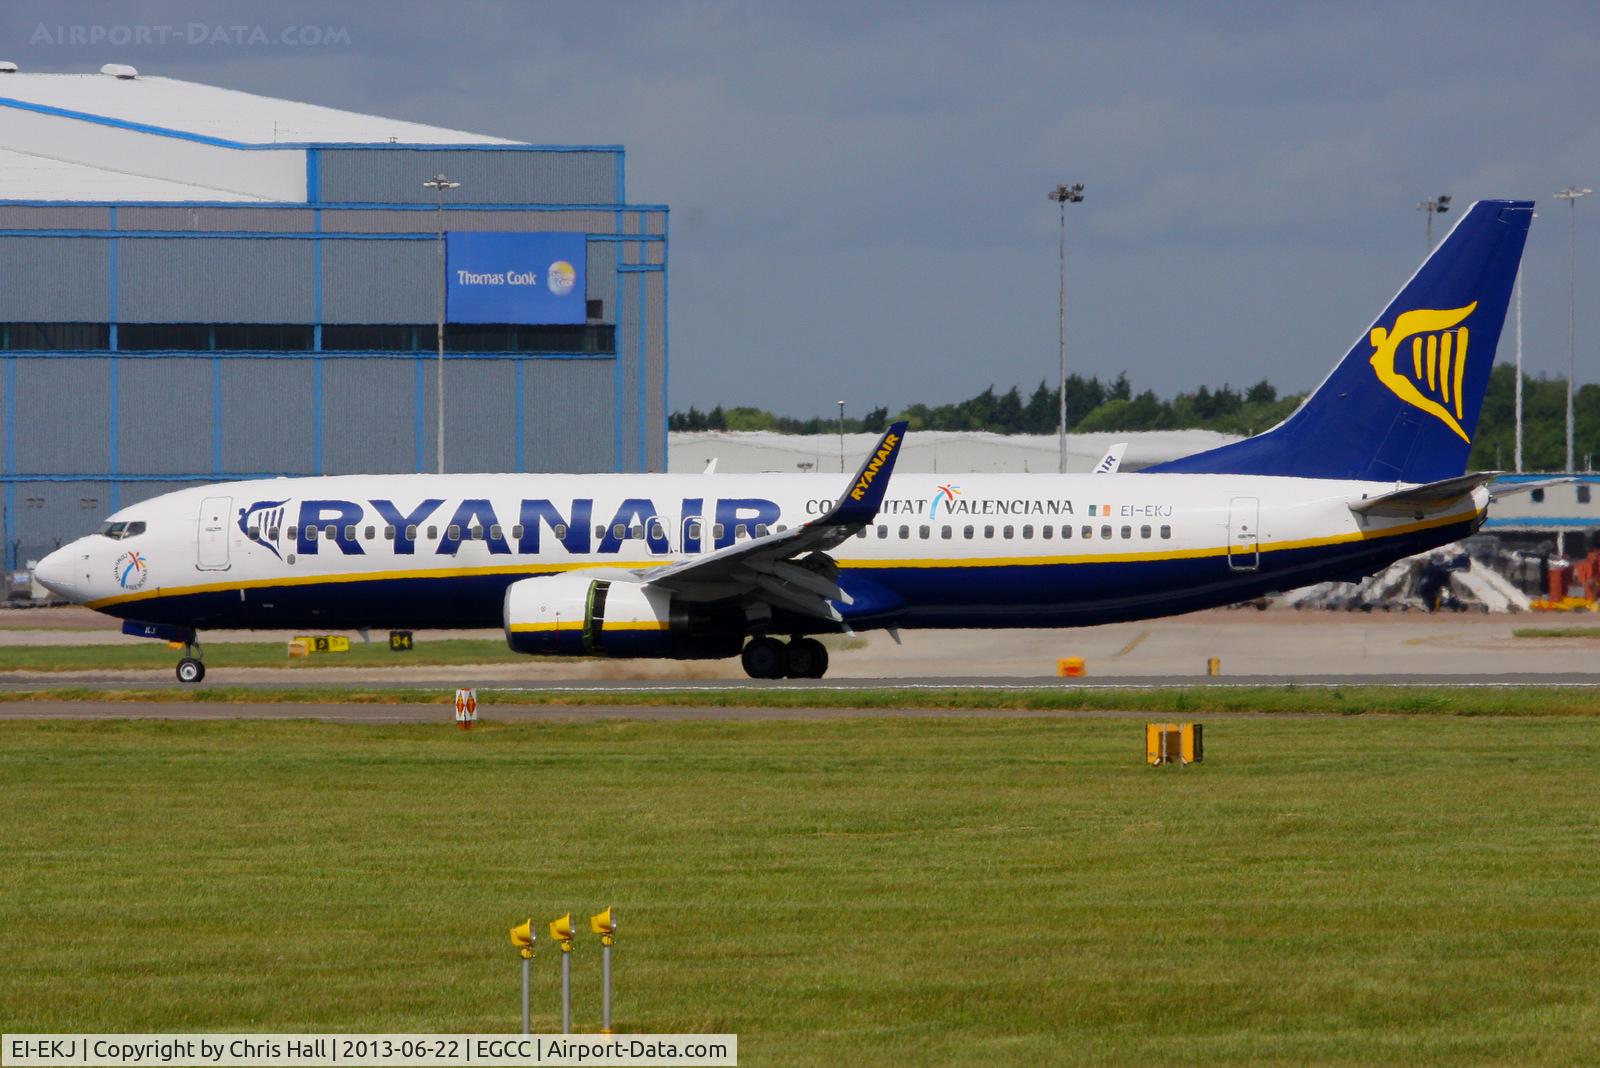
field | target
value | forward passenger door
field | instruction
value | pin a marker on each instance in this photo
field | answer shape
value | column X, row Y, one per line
column 211, row 548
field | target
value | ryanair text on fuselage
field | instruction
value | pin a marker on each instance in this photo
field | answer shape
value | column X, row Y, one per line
column 576, row 526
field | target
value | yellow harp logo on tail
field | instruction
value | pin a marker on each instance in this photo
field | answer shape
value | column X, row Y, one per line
column 1438, row 361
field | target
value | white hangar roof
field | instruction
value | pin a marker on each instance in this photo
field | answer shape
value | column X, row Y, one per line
column 98, row 137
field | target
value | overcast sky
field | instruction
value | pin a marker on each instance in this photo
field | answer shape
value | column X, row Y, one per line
column 858, row 190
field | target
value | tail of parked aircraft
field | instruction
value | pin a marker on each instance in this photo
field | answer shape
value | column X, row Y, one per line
column 1403, row 404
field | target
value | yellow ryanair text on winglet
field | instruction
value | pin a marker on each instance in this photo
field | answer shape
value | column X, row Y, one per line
column 885, row 450
column 1438, row 360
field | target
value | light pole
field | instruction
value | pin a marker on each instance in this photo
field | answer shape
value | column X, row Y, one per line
column 1063, row 195
column 1437, row 206
column 439, row 183
column 841, row 437
column 1571, row 195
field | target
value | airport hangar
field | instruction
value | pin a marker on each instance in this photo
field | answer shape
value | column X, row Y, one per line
column 202, row 284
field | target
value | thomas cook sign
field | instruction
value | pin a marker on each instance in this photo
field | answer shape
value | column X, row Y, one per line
column 515, row 277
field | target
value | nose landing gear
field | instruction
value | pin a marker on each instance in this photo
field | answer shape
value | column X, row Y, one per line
column 191, row 668
column 768, row 658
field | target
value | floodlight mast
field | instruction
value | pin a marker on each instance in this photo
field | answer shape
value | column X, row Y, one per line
column 439, row 184
column 1437, row 206
column 1571, row 195
column 1063, row 195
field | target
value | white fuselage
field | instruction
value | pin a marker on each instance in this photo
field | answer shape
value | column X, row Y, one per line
column 945, row 551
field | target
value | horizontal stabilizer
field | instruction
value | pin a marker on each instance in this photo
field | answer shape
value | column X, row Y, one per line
column 1507, row 489
column 1416, row 500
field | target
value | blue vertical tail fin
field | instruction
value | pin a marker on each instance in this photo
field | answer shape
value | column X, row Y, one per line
column 1403, row 404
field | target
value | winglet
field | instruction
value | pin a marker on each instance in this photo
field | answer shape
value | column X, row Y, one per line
column 862, row 498
column 1111, row 460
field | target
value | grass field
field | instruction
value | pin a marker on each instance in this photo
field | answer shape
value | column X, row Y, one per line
column 1340, row 890
column 150, row 654
column 1556, row 632
column 1173, row 701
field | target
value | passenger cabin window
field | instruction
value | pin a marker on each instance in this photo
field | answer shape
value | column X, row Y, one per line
column 1066, row 531
column 1144, row 532
column 966, row 532
column 692, row 530
column 294, row 532
column 1105, row 532
column 1583, row 494
column 988, row 532
column 883, row 531
column 1027, row 533
column 1166, row 532
column 1536, row 496
column 1087, row 532
column 718, row 531
column 1009, row 533
column 761, row 530
column 370, row 533
column 905, row 532
column 388, row 533
column 453, row 532
column 945, row 532
column 433, row 533
column 272, row 535
column 411, row 532
column 619, row 531
column 1127, row 532
column 496, row 532
column 599, row 532
column 559, row 530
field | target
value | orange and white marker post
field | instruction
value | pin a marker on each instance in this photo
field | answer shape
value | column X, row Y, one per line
column 466, row 708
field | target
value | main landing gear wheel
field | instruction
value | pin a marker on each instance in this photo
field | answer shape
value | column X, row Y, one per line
column 808, row 659
column 765, row 658
column 191, row 670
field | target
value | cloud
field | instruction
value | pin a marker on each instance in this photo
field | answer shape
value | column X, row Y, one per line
column 858, row 190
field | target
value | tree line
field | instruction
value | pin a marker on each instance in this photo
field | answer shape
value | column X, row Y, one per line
column 1113, row 407
column 1092, row 405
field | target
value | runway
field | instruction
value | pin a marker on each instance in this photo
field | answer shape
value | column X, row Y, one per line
column 1256, row 649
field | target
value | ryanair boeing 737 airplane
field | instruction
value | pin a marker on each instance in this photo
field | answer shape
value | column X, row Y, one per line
column 1370, row 469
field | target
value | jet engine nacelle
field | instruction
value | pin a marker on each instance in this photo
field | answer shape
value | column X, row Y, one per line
column 580, row 615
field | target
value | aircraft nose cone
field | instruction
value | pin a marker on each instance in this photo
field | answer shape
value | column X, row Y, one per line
column 57, row 572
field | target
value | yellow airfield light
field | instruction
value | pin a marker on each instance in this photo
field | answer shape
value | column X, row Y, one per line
column 522, row 937
column 604, row 924
column 561, row 931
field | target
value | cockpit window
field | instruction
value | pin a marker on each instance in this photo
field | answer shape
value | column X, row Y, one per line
column 118, row 531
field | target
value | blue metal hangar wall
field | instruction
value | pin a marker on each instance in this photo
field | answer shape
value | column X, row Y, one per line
column 199, row 284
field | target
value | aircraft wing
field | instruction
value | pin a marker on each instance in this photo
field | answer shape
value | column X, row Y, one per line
column 1425, row 498
column 767, row 567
